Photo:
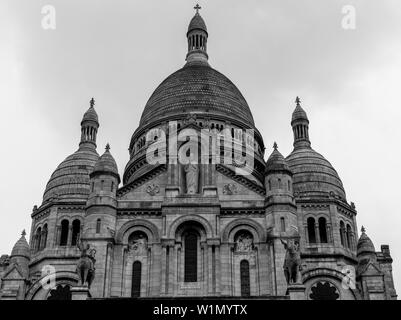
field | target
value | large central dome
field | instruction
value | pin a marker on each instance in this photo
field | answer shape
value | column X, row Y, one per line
column 197, row 88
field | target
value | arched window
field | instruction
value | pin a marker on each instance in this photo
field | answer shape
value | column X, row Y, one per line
column 38, row 237
column 76, row 229
column 245, row 281
column 136, row 279
column 311, row 230
column 61, row 292
column 64, row 232
column 322, row 230
column 191, row 257
column 342, row 233
column 44, row 236
column 323, row 291
column 349, row 236
column 282, row 224
column 98, row 223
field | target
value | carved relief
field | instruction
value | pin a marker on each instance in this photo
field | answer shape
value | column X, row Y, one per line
column 152, row 189
column 244, row 242
column 138, row 243
column 230, row 189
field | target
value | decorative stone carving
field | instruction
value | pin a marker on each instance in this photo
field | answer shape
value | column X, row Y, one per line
column 191, row 178
column 152, row 189
column 86, row 264
column 244, row 243
column 292, row 261
column 230, row 189
column 138, row 245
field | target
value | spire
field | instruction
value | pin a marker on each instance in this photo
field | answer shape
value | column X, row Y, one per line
column 300, row 126
column 89, row 127
column 197, row 40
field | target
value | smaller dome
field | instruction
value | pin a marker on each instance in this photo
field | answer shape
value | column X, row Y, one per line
column 21, row 247
column 197, row 23
column 299, row 113
column 276, row 162
column 365, row 245
column 106, row 164
column 90, row 115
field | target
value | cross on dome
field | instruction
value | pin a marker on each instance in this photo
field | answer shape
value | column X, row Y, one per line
column 298, row 101
column 275, row 146
column 197, row 8
column 107, row 147
column 92, row 102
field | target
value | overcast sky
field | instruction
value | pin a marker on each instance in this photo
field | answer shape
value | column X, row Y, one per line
column 119, row 51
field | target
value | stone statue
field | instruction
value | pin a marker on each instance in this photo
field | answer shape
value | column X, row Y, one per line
column 244, row 243
column 191, row 177
column 292, row 261
column 139, row 245
column 86, row 264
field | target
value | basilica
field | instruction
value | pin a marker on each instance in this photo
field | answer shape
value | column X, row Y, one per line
column 197, row 211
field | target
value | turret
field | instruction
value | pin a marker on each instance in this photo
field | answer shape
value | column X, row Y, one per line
column 300, row 126
column 278, row 178
column 197, row 39
column 89, row 127
column 21, row 254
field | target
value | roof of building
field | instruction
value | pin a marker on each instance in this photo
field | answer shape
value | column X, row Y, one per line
column 365, row 245
column 197, row 89
column 21, row 247
column 70, row 181
column 276, row 162
column 197, row 23
column 313, row 175
column 91, row 114
column 106, row 163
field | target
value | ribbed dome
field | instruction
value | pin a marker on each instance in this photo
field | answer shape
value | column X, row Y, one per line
column 197, row 89
column 313, row 175
column 197, row 22
column 70, row 181
column 365, row 245
column 106, row 164
column 21, row 248
column 276, row 162
column 90, row 115
column 299, row 114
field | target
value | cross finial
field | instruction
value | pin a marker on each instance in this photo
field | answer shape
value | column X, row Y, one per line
column 298, row 101
column 363, row 230
column 107, row 147
column 275, row 146
column 92, row 102
column 197, row 8
column 23, row 233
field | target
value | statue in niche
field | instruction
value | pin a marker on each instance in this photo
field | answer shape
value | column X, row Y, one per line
column 191, row 178
column 292, row 261
column 244, row 243
column 138, row 244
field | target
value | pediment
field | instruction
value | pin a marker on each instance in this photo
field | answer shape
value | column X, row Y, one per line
column 14, row 272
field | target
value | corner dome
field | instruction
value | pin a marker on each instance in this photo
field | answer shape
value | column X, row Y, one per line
column 106, row 164
column 276, row 162
column 70, row 181
column 21, row 248
column 196, row 89
column 197, row 23
column 365, row 245
column 313, row 175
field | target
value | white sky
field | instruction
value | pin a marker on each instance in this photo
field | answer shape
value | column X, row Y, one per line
column 119, row 51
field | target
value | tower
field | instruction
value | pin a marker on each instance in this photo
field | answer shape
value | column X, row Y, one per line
column 101, row 215
column 197, row 39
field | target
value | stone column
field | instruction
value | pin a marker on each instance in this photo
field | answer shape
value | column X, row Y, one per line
column 69, row 235
column 317, row 233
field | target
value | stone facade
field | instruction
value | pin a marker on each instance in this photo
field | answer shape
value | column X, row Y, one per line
column 207, row 231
